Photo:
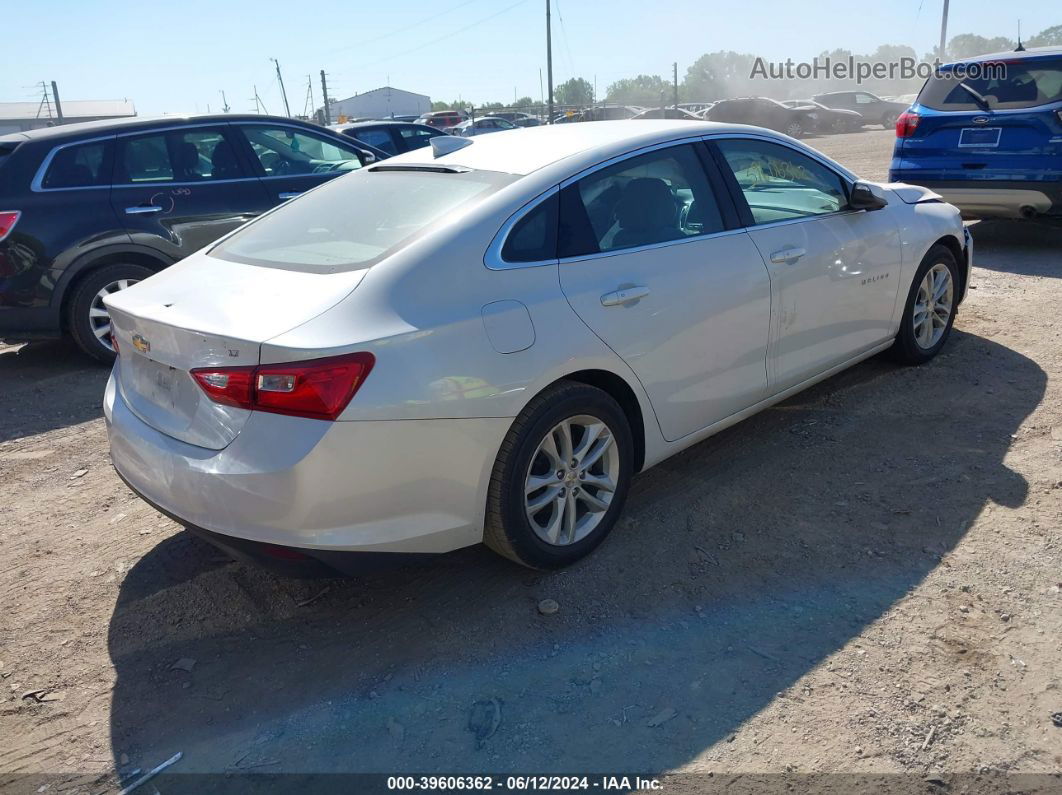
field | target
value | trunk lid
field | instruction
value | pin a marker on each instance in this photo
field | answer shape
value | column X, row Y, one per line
column 207, row 312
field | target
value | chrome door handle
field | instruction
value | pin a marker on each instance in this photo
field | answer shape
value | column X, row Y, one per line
column 286, row 196
column 624, row 296
column 143, row 209
column 788, row 255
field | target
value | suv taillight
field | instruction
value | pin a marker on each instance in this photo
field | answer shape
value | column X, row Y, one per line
column 906, row 124
column 318, row 388
column 8, row 219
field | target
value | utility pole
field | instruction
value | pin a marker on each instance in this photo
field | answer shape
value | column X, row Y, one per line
column 324, row 91
column 59, row 108
column 45, row 101
column 259, row 105
column 943, row 31
column 224, row 102
column 549, row 64
column 283, row 91
column 674, row 67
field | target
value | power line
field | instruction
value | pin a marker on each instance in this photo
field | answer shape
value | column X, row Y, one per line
column 402, row 29
column 448, row 35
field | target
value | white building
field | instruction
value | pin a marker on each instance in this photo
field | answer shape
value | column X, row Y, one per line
column 380, row 103
column 22, row 116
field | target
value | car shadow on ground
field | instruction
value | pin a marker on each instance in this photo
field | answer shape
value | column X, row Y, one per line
column 1018, row 246
column 741, row 564
column 47, row 385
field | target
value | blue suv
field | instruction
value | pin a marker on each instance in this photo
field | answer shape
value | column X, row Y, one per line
column 986, row 134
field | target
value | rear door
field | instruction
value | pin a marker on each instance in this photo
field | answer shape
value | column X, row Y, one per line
column 651, row 265
column 179, row 189
column 292, row 160
column 1015, row 134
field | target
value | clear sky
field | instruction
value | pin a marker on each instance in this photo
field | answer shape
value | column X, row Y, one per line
column 177, row 55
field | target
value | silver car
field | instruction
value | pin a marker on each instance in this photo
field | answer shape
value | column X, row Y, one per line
column 483, row 341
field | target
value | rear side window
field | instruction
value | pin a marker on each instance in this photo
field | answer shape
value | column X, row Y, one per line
column 377, row 137
column 1006, row 86
column 79, row 166
column 352, row 222
column 534, row 237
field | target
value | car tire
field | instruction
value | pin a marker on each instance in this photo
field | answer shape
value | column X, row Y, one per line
column 888, row 121
column 91, row 330
column 937, row 278
column 794, row 129
column 574, row 513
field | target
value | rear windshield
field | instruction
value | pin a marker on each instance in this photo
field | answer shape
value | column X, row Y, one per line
column 356, row 220
column 1004, row 86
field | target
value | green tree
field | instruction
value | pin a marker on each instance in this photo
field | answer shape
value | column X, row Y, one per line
column 645, row 90
column 967, row 45
column 523, row 102
column 716, row 75
column 1048, row 37
column 575, row 91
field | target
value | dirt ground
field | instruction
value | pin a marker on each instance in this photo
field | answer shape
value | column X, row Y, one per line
column 865, row 579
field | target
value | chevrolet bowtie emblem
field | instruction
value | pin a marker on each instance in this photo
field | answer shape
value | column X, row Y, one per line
column 141, row 344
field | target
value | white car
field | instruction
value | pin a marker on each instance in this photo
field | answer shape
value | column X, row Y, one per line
column 485, row 340
column 482, row 126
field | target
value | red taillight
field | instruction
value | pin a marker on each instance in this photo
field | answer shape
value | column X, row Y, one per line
column 8, row 219
column 318, row 388
column 906, row 124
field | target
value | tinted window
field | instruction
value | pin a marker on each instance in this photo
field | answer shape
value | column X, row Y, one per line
column 79, row 166
column 653, row 198
column 865, row 99
column 144, row 159
column 1016, row 85
column 375, row 136
column 415, row 138
column 534, row 237
column 204, row 154
column 285, row 151
column 780, row 183
column 348, row 224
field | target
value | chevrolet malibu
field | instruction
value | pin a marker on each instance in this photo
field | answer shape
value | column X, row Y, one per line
column 484, row 340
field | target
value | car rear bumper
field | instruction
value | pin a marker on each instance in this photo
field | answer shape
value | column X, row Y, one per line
column 994, row 198
column 403, row 486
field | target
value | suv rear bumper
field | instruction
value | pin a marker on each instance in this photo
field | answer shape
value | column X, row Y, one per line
column 994, row 198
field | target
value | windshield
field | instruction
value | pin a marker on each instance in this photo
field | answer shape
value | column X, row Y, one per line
column 354, row 221
column 1004, row 86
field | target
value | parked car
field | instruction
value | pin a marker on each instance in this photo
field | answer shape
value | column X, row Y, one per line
column 828, row 120
column 990, row 144
column 389, row 137
column 695, row 108
column 517, row 117
column 313, row 385
column 764, row 112
column 443, row 119
column 410, row 118
column 482, row 126
column 666, row 113
column 95, row 207
column 873, row 109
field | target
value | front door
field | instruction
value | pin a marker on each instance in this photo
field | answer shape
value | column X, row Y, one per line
column 646, row 262
column 180, row 189
column 834, row 272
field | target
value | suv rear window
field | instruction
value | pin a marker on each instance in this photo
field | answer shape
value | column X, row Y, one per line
column 1018, row 84
column 355, row 220
column 79, row 166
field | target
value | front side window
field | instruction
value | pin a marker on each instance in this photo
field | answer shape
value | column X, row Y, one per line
column 377, row 137
column 79, row 166
column 652, row 198
column 286, row 151
column 348, row 224
column 781, row 184
column 865, row 99
column 415, row 138
column 204, row 154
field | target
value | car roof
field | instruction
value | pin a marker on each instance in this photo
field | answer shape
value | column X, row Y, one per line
column 1012, row 55
column 357, row 125
column 138, row 122
column 529, row 149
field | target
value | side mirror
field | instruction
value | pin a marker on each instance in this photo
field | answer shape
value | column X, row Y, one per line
column 368, row 157
column 863, row 197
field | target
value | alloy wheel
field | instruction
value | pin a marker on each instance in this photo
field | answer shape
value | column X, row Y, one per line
column 933, row 306
column 571, row 480
column 99, row 317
